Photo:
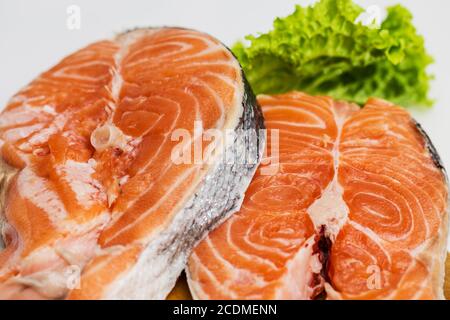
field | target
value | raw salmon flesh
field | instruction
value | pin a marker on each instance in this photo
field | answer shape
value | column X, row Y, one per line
column 93, row 205
column 357, row 210
column 347, row 203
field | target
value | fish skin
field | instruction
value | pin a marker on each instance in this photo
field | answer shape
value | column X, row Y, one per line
column 159, row 261
column 431, row 149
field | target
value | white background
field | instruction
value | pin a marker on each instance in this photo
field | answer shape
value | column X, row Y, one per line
column 34, row 36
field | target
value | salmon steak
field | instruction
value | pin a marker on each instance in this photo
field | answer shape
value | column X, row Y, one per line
column 103, row 192
column 357, row 209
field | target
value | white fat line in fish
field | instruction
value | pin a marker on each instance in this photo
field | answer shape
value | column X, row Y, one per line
column 163, row 143
column 240, row 252
column 80, row 65
column 50, row 80
column 320, row 123
column 149, row 186
column 204, row 38
column 412, row 155
column 234, row 271
column 36, row 190
column 285, row 242
column 205, row 64
column 308, row 145
column 24, row 114
column 43, row 135
column 177, row 113
column 423, row 247
column 305, row 163
column 62, row 74
column 277, row 250
column 430, row 166
column 115, row 70
column 374, row 212
column 399, row 195
column 372, row 236
column 400, row 137
column 152, row 46
column 392, row 295
column 211, row 49
column 360, row 144
column 299, row 105
column 109, row 252
column 291, row 137
column 49, row 109
column 422, row 287
column 78, row 175
column 364, row 118
column 354, row 127
column 402, row 213
column 229, row 81
column 217, row 284
column 156, row 154
column 298, row 125
column 98, row 222
column 15, row 134
column 168, row 57
column 158, row 204
column 409, row 148
column 84, row 87
column 375, row 195
column 374, row 174
column 19, row 97
column 160, row 58
column 177, row 41
column 411, row 178
column 294, row 134
column 264, row 248
column 308, row 149
column 219, row 102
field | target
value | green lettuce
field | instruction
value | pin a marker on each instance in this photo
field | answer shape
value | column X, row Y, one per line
column 321, row 50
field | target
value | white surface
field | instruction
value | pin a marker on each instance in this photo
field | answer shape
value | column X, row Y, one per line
column 34, row 36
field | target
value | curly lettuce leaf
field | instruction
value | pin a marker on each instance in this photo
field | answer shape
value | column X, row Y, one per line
column 321, row 50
